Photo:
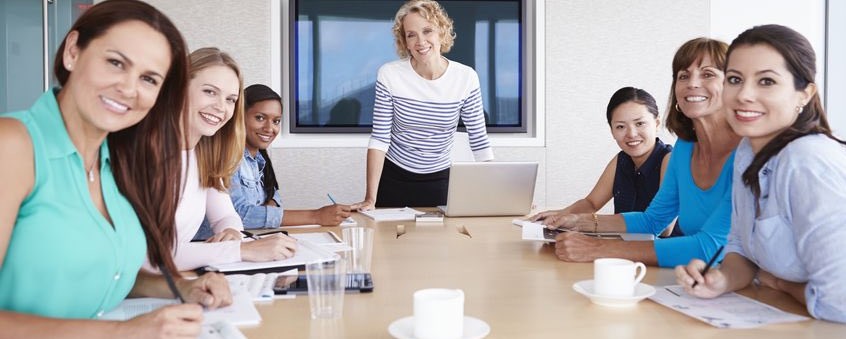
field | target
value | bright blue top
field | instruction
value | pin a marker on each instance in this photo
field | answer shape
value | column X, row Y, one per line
column 800, row 233
column 64, row 259
column 704, row 215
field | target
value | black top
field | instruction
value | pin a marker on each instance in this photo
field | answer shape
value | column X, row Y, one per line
column 634, row 188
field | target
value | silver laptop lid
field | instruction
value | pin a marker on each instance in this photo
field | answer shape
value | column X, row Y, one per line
column 491, row 188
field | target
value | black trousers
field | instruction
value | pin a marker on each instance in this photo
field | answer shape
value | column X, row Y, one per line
column 401, row 188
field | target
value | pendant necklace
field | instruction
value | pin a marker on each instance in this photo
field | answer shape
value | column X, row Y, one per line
column 91, row 171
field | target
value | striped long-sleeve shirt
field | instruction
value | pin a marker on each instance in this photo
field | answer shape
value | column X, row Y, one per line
column 414, row 119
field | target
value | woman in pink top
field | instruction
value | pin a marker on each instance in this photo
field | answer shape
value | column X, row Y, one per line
column 213, row 129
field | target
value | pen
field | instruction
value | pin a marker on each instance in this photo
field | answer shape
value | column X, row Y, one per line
column 172, row 285
column 330, row 199
column 710, row 263
column 249, row 235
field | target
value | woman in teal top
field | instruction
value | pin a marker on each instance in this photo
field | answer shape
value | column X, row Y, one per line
column 78, row 212
column 696, row 187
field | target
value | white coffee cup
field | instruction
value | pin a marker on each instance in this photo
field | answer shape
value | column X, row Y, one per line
column 614, row 277
column 438, row 313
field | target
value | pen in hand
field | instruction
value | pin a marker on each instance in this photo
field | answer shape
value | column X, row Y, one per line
column 172, row 285
column 331, row 199
column 708, row 266
column 249, row 235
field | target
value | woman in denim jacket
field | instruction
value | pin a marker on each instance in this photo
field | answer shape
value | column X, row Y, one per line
column 254, row 190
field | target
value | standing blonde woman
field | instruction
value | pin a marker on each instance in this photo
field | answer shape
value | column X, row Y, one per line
column 419, row 100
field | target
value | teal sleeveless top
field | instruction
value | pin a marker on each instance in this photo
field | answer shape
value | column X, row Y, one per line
column 64, row 259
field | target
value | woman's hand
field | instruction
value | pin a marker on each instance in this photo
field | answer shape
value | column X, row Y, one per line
column 576, row 247
column 556, row 219
column 175, row 321
column 210, row 290
column 332, row 215
column 713, row 284
column 366, row 205
column 225, row 235
column 269, row 248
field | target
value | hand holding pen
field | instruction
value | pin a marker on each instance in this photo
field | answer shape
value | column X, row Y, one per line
column 693, row 277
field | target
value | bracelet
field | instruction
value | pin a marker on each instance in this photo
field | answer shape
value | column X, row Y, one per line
column 595, row 222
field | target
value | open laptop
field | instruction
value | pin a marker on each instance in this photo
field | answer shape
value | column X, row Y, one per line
column 490, row 188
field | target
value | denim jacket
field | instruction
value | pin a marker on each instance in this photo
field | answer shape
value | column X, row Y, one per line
column 247, row 193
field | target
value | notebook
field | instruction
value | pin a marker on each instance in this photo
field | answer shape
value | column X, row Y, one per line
column 392, row 214
column 490, row 188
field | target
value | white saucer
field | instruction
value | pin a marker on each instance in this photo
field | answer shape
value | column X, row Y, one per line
column 473, row 328
column 642, row 291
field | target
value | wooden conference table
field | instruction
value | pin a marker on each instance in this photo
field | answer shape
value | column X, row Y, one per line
column 518, row 287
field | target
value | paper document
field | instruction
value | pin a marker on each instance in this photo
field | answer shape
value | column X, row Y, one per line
column 241, row 312
column 730, row 310
column 327, row 240
column 306, row 252
column 538, row 232
column 221, row 330
column 392, row 214
column 299, row 226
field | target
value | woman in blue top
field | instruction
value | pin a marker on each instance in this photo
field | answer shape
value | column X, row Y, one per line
column 788, row 217
column 696, row 187
column 88, row 172
column 633, row 176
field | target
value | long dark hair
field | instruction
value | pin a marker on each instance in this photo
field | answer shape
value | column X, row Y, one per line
column 254, row 94
column 800, row 60
column 145, row 158
column 690, row 52
column 627, row 94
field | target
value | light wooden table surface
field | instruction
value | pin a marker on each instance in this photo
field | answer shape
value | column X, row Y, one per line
column 518, row 287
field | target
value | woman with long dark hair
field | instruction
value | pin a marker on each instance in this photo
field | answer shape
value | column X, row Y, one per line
column 790, row 173
column 90, row 185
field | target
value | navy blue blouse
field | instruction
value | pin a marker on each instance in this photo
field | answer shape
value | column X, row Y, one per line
column 634, row 188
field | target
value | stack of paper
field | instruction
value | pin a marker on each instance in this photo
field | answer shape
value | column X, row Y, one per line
column 430, row 217
column 307, row 251
column 392, row 214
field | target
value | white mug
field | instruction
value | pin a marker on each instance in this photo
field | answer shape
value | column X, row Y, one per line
column 438, row 313
column 616, row 277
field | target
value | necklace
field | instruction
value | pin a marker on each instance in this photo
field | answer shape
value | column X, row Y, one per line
column 91, row 171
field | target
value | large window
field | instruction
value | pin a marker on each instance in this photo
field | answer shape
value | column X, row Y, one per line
column 337, row 46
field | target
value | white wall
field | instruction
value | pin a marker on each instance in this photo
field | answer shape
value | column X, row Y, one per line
column 836, row 84
column 730, row 18
column 592, row 49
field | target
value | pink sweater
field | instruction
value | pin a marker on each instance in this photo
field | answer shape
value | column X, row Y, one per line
column 196, row 203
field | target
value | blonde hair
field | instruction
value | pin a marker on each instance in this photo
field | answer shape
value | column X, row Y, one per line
column 431, row 11
column 219, row 155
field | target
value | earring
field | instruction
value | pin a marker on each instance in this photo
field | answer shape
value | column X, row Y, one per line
column 800, row 109
column 68, row 66
column 678, row 109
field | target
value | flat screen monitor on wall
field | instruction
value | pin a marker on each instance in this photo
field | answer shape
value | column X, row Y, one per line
column 337, row 46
